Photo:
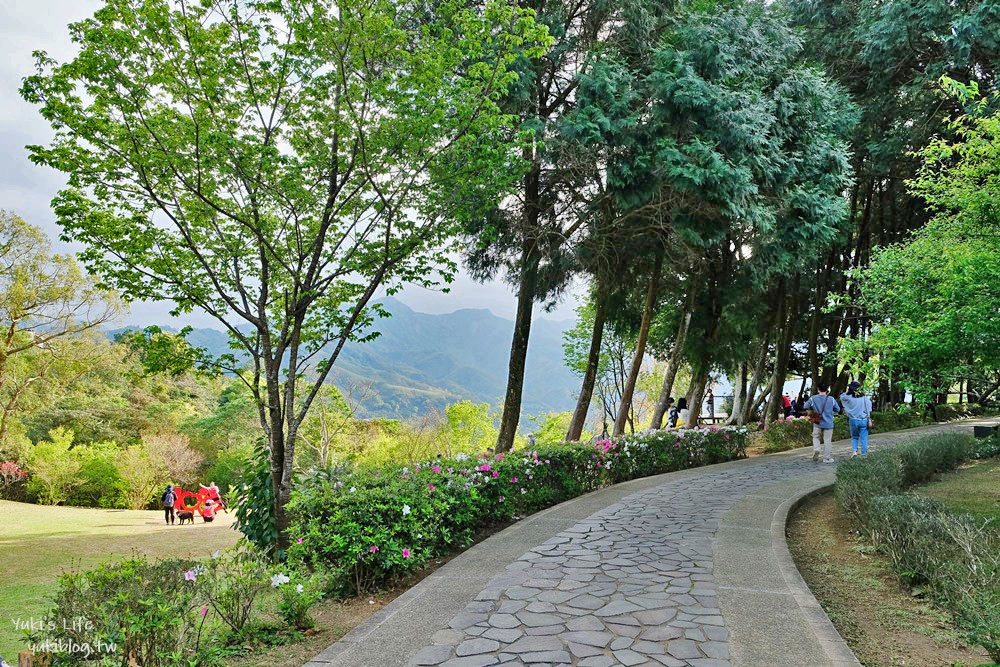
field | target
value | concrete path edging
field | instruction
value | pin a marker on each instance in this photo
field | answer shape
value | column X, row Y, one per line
column 774, row 618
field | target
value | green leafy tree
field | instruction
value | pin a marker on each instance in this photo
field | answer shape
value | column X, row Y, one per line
column 469, row 428
column 46, row 305
column 934, row 297
column 276, row 164
column 54, row 468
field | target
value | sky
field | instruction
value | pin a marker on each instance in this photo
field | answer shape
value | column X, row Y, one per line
column 27, row 189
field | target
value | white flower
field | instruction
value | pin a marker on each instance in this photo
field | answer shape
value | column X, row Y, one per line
column 420, row 536
column 353, row 489
column 299, row 588
column 216, row 554
column 461, row 456
column 279, row 579
column 406, row 510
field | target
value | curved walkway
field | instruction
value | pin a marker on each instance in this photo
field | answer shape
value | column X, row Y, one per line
column 687, row 568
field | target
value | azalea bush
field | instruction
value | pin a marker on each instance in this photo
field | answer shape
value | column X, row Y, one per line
column 372, row 524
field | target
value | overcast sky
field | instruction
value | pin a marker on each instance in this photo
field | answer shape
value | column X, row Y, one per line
column 26, row 189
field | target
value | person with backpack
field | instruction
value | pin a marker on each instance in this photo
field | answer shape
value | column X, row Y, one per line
column 821, row 408
column 168, row 500
column 858, row 408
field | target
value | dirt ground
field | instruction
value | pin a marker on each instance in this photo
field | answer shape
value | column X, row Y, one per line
column 884, row 624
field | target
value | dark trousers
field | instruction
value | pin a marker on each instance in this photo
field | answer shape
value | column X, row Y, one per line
column 168, row 514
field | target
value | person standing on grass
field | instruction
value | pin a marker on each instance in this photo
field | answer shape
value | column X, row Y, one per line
column 858, row 408
column 168, row 499
column 821, row 409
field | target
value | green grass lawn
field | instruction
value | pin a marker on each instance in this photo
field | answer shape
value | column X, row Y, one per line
column 37, row 543
column 974, row 489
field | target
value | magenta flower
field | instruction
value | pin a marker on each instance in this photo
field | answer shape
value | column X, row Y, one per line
column 495, row 474
column 204, row 611
column 299, row 540
column 484, row 468
column 435, row 468
column 513, row 480
column 406, row 553
column 431, row 487
column 373, row 549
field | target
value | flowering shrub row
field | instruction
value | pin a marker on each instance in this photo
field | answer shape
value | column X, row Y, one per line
column 373, row 524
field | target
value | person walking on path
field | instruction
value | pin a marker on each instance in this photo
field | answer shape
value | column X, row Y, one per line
column 168, row 499
column 822, row 407
column 710, row 404
column 858, row 408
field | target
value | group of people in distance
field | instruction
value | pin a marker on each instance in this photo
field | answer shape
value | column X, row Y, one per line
column 820, row 408
column 174, row 507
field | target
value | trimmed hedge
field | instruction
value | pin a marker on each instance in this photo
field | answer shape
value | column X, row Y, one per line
column 953, row 558
column 374, row 524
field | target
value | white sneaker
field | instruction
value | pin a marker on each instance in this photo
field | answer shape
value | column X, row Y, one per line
column 828, row 461
column 854, row 454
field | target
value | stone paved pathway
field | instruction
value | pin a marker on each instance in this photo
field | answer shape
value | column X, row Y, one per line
column 630, row 585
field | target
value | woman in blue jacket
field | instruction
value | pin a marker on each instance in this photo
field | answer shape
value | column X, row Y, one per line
column 858, row 408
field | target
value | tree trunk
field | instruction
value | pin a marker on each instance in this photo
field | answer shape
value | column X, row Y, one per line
column 511, row 416
column 593, row 359
column 783, row 353
column 739, row 396
column 696, row 394
column 758, row 373
column 671, row 374
column 640, row 348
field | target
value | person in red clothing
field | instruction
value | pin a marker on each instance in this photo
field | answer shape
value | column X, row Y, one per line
column 208, row 511
column 786, row 405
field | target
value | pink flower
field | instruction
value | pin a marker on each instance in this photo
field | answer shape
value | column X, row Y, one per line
column 406, row 553
column 299, row 540
column 373, row 549
column 513, row 480
column 435, row 468
column 484, row 468
column 190, row 576
column 204, row 611
column 431, row 487
column 495, row 474
column 498, row 457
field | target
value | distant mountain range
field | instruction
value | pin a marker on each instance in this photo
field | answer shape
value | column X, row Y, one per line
column 422, row 362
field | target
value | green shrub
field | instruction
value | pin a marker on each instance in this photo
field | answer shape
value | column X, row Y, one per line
column 297, row 595
column 953, row 558
column 785, row 434
column 860, row 480
column 232, row 583
column 987, row 448
column 376, row 523
column 128, row 611
column 101, row 485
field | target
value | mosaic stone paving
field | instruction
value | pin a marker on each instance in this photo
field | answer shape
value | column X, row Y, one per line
column 631, row 585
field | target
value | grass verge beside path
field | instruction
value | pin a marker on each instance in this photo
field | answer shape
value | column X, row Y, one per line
column 881, row 621
column 37, row 543
column 974, row 489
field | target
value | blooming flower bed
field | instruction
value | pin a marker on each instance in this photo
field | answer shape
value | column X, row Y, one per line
column 374, row 524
